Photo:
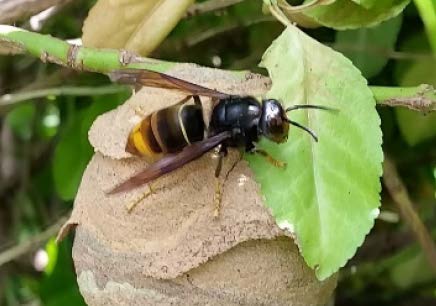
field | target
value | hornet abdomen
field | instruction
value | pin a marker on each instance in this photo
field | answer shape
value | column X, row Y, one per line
column 168, row 130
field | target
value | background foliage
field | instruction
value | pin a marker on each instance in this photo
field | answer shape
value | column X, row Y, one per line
column 44, row 147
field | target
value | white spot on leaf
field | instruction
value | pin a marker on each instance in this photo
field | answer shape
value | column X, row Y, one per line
column 374, row 213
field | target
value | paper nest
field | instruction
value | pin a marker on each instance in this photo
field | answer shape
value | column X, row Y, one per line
column 173, row 230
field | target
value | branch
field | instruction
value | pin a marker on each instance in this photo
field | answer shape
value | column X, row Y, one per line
column 210, row 6
column 49, row 49
column 8, row 100
column 401, row 197
column 13, row 10
column 32, row 243
column 381, row 52
column 421, row 98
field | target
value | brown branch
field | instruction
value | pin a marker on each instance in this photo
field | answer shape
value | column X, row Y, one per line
column 210, row 6
column 419, row 103
column 420, row 98
column 401, row 197
column 14, row 10
column 32, row 243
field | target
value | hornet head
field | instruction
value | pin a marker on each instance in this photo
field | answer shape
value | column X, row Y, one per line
column 274, row 123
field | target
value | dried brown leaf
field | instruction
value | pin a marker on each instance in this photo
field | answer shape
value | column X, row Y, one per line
column 134, row 25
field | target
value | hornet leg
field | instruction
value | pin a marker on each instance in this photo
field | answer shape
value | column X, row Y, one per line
column 142, row 197
column 218, row 184
column 151, row 190
column 275, row 162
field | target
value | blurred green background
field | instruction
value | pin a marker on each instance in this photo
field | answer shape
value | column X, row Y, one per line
column 44, row 147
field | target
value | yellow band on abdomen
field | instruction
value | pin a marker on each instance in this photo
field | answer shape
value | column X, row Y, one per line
column 139, row 144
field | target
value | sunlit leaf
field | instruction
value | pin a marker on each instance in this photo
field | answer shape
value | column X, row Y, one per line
column 329, row 193
column 51, row 248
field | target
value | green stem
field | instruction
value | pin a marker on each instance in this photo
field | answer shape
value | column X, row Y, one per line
column 420, row 98
column 50, row 49
column 427, row 11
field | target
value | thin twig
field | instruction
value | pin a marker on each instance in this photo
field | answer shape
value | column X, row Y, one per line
column 382, row 52
column 401, row 197
column 210, row 6
column 205, row 35
column 278, row 14
column 32, row 243
column 14, row 10
column 49, row 49
column 9, row 100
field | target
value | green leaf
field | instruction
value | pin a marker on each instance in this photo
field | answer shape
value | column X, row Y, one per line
column 367, row 47
column 60, row 287
column 416, row 70
column 329, row 193
column 346, row 14
column 408, row 268
column 70, row 158
column 20, row 120
column 416, row 127
column 365, row 3
column 427, row 11
column 73, row 150
column 51, row 248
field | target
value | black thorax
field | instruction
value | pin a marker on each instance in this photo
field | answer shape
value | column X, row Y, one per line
column 239, row 115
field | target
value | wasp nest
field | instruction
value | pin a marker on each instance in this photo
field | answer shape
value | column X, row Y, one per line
column 170, row 250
